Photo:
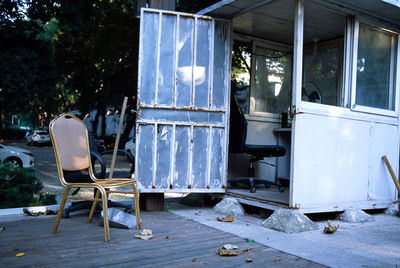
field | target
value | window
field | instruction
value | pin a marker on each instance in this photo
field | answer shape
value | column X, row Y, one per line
column 271, row 80
column 376, row 68
column 241, row 68
column 324, row 32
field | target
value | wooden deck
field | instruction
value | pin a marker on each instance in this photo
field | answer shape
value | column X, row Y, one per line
column 177, row 242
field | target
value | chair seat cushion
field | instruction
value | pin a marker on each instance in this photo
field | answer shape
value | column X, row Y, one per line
column 264, row 150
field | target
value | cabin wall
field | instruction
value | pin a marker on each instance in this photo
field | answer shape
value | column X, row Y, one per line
column 337, row 163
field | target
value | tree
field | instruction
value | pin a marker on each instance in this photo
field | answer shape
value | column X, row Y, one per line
column 27, row 74
column 97, row 51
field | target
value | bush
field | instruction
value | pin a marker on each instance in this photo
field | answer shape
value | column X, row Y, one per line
column 20, row 187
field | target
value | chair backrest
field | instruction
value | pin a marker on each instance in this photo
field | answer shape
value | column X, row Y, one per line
column 70, row 141
column 238, row 127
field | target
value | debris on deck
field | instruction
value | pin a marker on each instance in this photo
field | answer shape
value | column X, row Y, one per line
column 289, row 221
column 228, row 250
column 355, row 215
column 228, row 218
column 229, row 205
column 146, row 234
column 44, row 210
column 119, row 219
column 330, row 229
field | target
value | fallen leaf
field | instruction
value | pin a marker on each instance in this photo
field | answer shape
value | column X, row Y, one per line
column 223, row 252
column 228, row 218
column 230, row 247
column 249, row 240
column 330, row 229
column 277, row 260
column 21, row 254
column 247, row 250
column 249, row 260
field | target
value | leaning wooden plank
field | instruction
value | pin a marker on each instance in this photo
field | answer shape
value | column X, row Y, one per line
column 396, row 182
column 121, row 121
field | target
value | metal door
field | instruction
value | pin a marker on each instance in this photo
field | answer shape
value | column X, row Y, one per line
column 183, row 102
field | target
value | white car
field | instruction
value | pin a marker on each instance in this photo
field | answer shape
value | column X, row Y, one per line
column 38, row 137
column 16, row 156
column 130, row 146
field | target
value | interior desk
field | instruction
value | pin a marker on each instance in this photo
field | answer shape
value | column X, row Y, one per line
column 284, row 138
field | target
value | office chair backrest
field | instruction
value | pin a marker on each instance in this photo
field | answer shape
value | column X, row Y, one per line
column 238, row 127
column 70, row 136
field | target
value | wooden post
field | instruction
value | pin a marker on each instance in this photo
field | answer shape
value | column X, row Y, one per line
column 396, row 182
column 121, row 122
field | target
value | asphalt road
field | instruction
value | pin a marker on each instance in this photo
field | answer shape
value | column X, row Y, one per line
column 46, row 168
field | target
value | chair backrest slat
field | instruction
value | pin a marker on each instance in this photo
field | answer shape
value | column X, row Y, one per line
column 72, row 141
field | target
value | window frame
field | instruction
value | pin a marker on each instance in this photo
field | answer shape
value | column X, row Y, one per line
column 395, row 71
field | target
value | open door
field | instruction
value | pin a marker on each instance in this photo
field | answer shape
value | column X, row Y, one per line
column 183, row 102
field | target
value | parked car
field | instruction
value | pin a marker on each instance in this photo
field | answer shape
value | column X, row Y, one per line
column 130, row 146
column 37, row 137
column 16, row 156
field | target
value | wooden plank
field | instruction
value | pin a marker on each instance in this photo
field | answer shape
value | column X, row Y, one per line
column 78, row 244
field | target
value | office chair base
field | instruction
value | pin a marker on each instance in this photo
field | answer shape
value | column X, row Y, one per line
column 252, row 182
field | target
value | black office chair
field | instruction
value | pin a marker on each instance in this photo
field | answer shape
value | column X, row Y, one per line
column 237, row 144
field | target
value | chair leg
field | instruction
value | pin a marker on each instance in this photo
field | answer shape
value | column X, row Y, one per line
column 93, row 206
column 60, row 210
column 105, row 215
column 137, row 209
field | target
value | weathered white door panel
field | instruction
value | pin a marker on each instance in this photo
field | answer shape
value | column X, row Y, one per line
column 183, row 99
column 336, row 164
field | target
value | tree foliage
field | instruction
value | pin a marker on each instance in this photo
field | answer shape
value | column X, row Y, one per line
column 28, row 72
column 59, row 56
column 97, row 48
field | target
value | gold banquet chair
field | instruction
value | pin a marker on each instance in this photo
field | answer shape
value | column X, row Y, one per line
column 70, row 140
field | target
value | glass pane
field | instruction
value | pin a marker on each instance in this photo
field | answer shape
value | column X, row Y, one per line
column 201, row 70
column 185, row 56
column 200, row 157
column 324, row 32
column 149, row 58
column 166, row 73
column 271, row 89
column 145, row 155
column 220, row 63
column 375, row 68
column 182, row 152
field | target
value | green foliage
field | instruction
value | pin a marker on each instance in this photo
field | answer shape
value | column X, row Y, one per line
column 191, row 6
column 28, row 73
column 20, row 187
column 97, row 48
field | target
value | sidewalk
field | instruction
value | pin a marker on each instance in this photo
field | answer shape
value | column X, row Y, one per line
column 371, row 244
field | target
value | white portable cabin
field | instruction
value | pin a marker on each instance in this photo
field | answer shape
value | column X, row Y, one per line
column 333, row 65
